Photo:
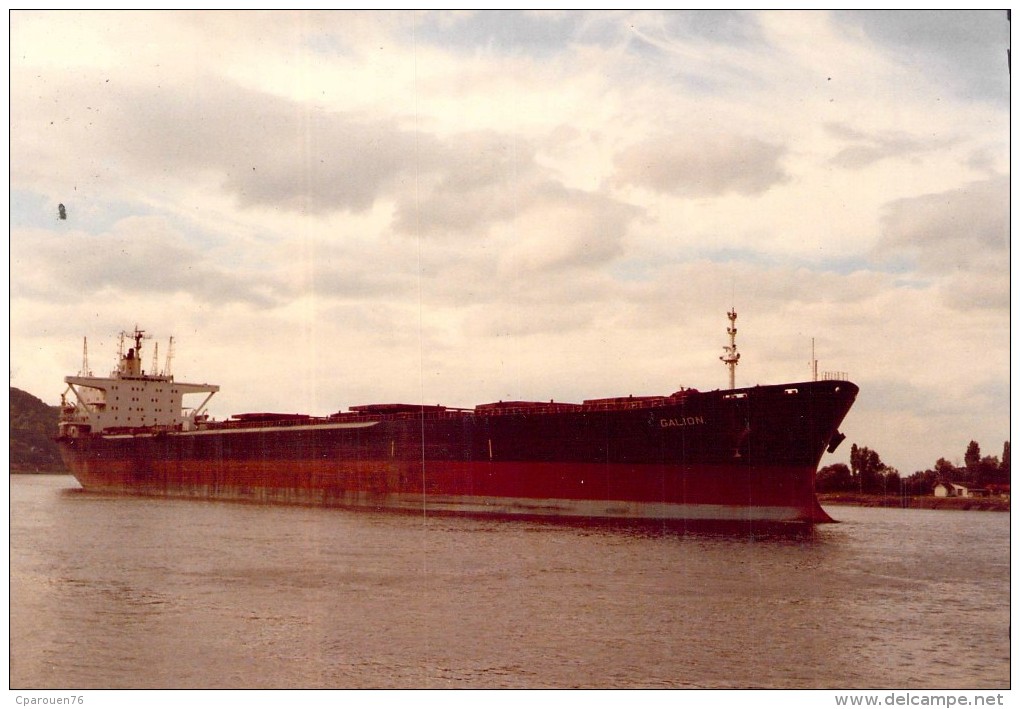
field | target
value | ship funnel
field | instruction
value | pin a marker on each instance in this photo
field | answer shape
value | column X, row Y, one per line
column 131, row 363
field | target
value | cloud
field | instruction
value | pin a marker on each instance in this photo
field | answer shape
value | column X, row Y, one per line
column 467, row 183
column 978, row 290
column 272, row 153
column 263, row 150
column 260, row 149
column 507, row 32
column 705, row 165
column 952, row 229
column 138, row 256
column 960, row 236
column 964, row 51
column 867, row 149
column 568, row 229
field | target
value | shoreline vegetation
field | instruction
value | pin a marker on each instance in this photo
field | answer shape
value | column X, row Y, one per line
column 914, row 502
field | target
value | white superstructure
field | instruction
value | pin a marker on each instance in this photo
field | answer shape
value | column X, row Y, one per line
column 129, row 398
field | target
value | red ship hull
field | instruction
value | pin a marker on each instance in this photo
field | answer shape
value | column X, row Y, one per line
column 745, row 455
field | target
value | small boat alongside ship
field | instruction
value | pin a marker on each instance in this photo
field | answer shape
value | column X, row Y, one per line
column 740, row 454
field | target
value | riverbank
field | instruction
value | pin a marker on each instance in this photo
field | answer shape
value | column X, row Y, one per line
column 915, row 502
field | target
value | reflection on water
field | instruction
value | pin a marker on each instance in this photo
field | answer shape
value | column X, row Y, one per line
column 126, row 592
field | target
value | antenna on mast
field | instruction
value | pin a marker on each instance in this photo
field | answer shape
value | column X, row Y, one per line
column 169, row 358
column 814, row 362
column 732, row 357
column 85, row 371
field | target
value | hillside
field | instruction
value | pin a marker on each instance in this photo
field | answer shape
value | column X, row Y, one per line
column 33, row 426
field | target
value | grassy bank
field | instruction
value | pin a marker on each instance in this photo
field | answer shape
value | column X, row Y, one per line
column 916, row 502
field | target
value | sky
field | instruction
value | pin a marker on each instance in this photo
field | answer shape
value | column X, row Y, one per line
column 333, row 209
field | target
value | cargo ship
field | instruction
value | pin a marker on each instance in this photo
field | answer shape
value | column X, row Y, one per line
column 736, row 455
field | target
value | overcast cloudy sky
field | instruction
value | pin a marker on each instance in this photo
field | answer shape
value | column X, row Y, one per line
column 336, row 209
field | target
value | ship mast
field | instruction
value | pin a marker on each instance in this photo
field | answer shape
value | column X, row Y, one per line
column 169, row 358
column 731, row 357
column 814, row 362
column 85, row 371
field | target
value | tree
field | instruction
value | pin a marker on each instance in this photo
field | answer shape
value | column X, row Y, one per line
column 986, row 471
column 834, row 478
column 868, row 470
column 946, row 471
column 972, row 458
column 921, row 483
column 891, row 482
column 978, row 471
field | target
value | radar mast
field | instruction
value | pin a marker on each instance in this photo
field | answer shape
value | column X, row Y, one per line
column 732, row 357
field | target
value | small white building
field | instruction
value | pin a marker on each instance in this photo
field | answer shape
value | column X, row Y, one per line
column 945, row 489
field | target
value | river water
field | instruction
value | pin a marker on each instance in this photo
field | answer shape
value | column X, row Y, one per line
column 112, row 592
